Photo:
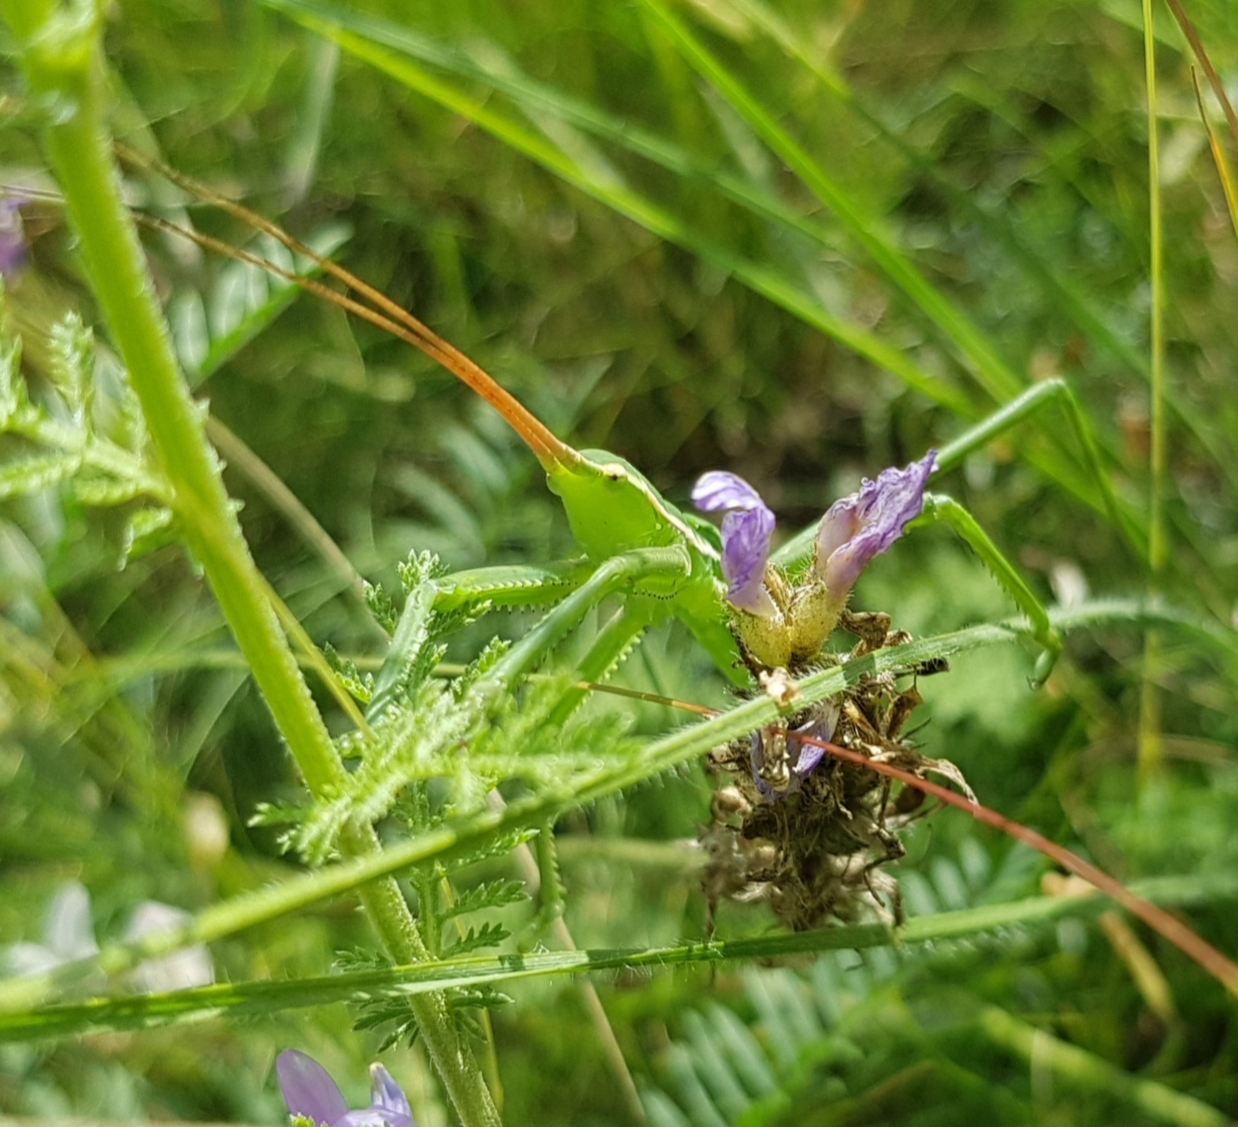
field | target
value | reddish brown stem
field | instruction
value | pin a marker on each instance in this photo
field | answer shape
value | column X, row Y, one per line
column 1181, row 936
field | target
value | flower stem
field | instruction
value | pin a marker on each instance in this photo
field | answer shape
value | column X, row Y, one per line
column 64, row 66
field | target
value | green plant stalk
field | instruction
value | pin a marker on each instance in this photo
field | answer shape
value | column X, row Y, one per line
column 442, row 842
column 267, row 997
column 1087, row 1071
column 63, row 63
column 1150, row 743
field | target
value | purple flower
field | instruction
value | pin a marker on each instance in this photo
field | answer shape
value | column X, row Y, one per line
column 785, row 621
column 865, row 524
column 13, row 249
column 777, row 780
column 746, row 532
column 310, row 1091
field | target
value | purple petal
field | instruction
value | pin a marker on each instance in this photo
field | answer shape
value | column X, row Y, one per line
column 375, row 1117
column 308, row 1089
column 756, row 757
column 718, row 490
column 821, row 728
column 745, row 552
column 386, row 1093
column 13, row 250
column 859, row 527
column 746, row 533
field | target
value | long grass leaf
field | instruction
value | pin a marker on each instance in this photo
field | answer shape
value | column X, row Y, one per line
column 1219, row 158
column 1149, row 731
column 979, row 355
column 253, row 998
column 770, row 283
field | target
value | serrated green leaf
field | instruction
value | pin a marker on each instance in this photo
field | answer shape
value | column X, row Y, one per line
column 361, row 687
column 103, row 490
column 495, row 894
column 72, row 347
column 380, row 606
column 14, row 398
column 488, row 935
column 147, row 530
column 29, row 475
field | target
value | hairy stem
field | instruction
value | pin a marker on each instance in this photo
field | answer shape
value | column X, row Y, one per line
column 64, row 66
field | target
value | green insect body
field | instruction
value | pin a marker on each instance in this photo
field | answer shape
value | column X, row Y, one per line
column 635, row 543
column 611, row 507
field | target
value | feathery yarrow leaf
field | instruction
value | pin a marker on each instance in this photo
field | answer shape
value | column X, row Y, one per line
column 492, row 894
column 359, row 686
column 476, row 939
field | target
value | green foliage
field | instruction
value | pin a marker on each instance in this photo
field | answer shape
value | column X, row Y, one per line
column 490, row 894
column 798, row 241
column 98, row 451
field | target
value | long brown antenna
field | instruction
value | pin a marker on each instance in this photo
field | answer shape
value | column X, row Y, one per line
column 394, row 318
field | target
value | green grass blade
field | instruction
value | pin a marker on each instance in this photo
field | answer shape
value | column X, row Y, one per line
column 264, row 998
column 978, row 354
column 770, row 283
column 1091, row 1073
column 1150, row 743
column 1220, row 159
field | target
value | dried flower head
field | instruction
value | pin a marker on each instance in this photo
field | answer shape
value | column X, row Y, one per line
column 309, row 1091
column 809, row 833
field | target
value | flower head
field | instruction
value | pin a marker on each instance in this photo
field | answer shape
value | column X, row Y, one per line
column 780, row 622
column 865, row 524
column 309, row 1091
column 747, row 530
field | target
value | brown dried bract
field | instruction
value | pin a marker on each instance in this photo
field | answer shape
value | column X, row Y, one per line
column 812, row 842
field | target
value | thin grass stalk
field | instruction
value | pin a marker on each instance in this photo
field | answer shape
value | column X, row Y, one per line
column 267, row 996
column 1150, row 744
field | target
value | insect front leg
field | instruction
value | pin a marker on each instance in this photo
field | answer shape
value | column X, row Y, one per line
column 462, row 592
column 665, row 569
column 937, row 506
column 1044, row 394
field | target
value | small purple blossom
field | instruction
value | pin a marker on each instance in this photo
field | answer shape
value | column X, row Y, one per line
column 808, row 756
column 13, row 250
column 865, row 524
column 309, row 1091
column 747, row 530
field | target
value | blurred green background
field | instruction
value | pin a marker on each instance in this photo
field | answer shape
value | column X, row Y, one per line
column 1002, row 149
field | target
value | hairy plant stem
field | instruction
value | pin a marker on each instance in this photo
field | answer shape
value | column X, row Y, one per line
column 63, row 62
